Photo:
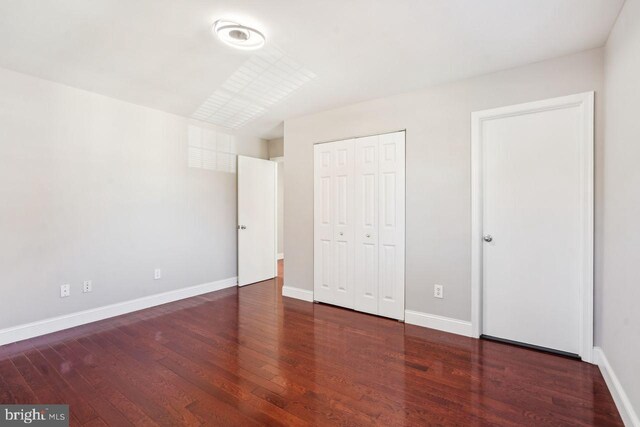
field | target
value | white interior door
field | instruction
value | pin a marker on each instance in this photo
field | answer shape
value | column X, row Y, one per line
column 359, row 224
column 256, row 220
column 366, row 224
column 536, row 212
column 391, row 233
column 343, row 228
column 333, row 229
column 323, row 243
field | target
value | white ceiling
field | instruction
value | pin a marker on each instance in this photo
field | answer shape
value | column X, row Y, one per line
column 161, row 53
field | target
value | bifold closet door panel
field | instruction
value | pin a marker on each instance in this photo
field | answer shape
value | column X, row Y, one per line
column 359, row 224
column 343, row 227
column 366, row 224
column 391, row 230
column 323, row 245
column 333, row 223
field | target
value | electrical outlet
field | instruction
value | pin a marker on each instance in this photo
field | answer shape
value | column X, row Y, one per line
column 157, row 274
column 87, row 286
column 65, row 291
column 438, row 291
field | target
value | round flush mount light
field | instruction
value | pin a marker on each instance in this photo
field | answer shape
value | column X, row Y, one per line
column 238, row 36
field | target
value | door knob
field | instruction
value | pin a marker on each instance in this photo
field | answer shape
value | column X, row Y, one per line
column 341, row 233
column 368, row 235
column 487, row 238
column 242, row 227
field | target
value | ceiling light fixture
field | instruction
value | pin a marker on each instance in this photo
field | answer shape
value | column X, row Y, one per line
column 238, row 36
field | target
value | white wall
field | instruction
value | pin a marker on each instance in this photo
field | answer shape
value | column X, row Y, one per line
column 438, row 153
column 95, row 188
column 618, row 316
column 276, row 147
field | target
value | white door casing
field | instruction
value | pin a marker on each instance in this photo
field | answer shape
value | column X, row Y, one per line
column 257, row 217
column 532, row 192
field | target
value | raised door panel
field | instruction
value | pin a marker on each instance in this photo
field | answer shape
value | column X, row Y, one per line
column 366, row 224
column 391, row 230
column 324, row 245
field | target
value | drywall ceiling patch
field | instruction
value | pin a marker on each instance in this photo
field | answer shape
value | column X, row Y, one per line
column 264, row 80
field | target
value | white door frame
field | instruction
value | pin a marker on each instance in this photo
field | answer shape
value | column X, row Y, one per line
column 279, row 159
column 585, row 102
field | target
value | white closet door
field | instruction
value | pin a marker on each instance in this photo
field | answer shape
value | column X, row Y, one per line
column 323, row 223
column 343, row 228
column 366, row 224
column 392, row 224
column 359, row 224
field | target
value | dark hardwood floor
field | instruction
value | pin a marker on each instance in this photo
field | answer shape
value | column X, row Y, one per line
column 250, row 357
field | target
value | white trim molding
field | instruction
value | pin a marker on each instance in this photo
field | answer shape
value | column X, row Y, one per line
column 628, row 414
column 297, row 293
column 54, row 324
column 585, row 101
column 441, row 323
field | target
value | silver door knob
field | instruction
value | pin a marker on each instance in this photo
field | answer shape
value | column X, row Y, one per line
column 368, row 235
column 242, row 227
column 487, row 238
column 341, row 233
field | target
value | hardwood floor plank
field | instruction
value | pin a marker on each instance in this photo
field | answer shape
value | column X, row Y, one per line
column 96, row 422
column 83, row 412
column 5, row 392
column 68, row 369
column 248, row 356
column 19, row 389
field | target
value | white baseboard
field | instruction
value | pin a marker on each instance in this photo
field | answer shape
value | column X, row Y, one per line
column 297, row 293
column 281, row 255
column 441, row 323
column 628, row 414
column 54, row 324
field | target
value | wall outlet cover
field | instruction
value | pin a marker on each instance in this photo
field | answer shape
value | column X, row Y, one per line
column 438, row 291
column 87, row 286
column 65, row 291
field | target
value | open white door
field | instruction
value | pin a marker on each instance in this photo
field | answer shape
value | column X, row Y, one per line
column 256, row 220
